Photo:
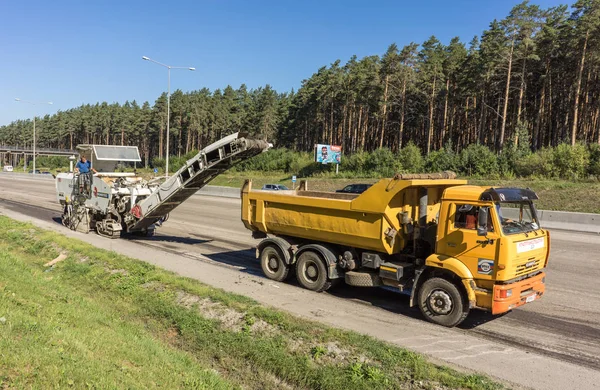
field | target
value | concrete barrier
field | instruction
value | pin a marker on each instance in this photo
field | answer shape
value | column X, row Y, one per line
column 27, row 176
column 578, row 222
column 220, row 191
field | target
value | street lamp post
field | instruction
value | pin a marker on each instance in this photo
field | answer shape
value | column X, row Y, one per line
column 34, row 103
column 168, row 102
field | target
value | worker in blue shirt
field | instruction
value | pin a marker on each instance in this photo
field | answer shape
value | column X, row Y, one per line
column 84, row 166
column 84, row 179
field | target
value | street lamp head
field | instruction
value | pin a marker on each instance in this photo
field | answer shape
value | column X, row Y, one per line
column 192, row 68
column 17, row 99
column 50, row 103
column 145, row 58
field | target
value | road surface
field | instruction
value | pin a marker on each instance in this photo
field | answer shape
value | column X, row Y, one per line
column 553, row 343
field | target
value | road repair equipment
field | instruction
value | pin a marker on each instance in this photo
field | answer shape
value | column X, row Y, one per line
column 112, row 202
column 451, row 246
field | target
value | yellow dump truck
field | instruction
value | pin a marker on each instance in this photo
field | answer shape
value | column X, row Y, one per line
column 452, row 246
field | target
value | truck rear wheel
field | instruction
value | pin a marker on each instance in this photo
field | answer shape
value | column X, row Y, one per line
column 442, row 302
column 311, row 272
column 272, row 264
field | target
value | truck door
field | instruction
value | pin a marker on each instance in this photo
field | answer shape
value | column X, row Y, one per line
column 462, row 242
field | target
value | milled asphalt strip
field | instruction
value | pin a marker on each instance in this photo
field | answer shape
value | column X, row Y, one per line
column 453, row 346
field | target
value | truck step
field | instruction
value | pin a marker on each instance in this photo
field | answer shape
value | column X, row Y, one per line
column 396, row 271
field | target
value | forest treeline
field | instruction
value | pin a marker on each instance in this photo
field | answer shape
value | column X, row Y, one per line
column 531, row 80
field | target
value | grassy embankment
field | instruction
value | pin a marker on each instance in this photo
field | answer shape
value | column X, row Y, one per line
column 101, row 320
column 580, row 196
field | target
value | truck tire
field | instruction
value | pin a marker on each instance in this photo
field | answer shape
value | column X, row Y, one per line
column 362, row 279
column 442, row 302
column 272, row 264
column 311, row 272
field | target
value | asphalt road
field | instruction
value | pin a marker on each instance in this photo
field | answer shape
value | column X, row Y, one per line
column 551, row 343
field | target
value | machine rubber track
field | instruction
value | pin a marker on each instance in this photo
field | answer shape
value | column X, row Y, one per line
column 195, row 174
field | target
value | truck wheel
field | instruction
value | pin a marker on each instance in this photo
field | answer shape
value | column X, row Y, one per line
column 311, row 272
column 272, row 264
column 442, row 302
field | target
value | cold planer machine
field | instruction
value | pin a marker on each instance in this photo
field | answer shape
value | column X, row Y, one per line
column 112, row 202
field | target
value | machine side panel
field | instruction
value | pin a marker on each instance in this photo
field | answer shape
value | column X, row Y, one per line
column 101, row 194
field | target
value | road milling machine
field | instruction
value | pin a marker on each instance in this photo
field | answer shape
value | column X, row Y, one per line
column 111, row 202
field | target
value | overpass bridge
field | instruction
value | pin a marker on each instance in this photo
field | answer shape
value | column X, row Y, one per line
column 38, row 151
column 18, row 155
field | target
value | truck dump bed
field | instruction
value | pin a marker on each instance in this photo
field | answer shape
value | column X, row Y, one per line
column 372, row 220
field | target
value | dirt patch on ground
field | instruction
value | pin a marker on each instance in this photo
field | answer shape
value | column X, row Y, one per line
column 278, row 382
column 154, row 286
column 186, row 300
column 230, row 319
column 171, row 335
column 263, row 328
column 330, row 353
column 118, row 271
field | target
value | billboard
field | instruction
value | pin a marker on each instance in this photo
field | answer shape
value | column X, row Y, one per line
column 328, row 154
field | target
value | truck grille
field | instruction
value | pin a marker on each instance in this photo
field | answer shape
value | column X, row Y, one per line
column 526, row 268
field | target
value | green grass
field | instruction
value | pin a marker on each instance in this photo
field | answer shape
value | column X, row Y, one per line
column 326, row 183
column 580, row 196
column 562, row 195
column 102, row 320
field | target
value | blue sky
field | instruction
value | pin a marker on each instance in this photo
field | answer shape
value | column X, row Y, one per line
column 74, row 52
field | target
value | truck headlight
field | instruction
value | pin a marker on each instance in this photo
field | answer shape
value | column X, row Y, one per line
column 506, row 293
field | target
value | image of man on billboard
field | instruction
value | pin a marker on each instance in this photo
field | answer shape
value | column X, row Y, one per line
column 326, row 154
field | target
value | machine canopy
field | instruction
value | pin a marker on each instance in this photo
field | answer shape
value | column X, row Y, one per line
column 105, row 158
column 508, row 195
column 116, row 153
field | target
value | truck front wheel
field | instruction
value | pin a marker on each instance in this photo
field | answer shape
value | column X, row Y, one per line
column 272, row 264
column 442, row 302
column 311, row 272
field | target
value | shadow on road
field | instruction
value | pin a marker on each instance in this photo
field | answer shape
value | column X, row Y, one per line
column 164, row 238
column 478, row 317
column 383, row 298
column 388, row 300
column 244, row 260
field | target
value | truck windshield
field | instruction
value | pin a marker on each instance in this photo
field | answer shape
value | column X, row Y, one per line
column 517, row 217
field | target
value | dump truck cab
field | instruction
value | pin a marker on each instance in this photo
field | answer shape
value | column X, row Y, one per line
column 452, row 246
column 491, row 239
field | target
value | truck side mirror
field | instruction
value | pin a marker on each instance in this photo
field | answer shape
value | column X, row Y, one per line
column 482, row 228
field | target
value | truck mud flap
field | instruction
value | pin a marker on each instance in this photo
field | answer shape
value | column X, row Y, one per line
column 333, row 272
column 279, row 242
